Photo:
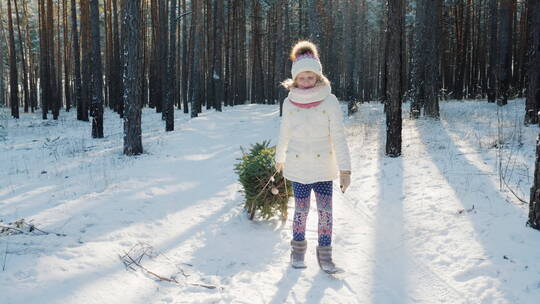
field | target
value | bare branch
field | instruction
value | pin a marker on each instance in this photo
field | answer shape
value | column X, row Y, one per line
column 129, row 261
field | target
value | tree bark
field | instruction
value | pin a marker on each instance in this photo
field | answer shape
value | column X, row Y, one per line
column 13, row 81
column 163, row 50
column 257, row 78
column 67, row 55
column 23, row 60
column 77, row 100
column 420, row 53
column 241, row 69
column 43, row 64
column 505, row 49
column 394, row 87
column 492, row 67
column 97, row 73
column 116, row 63
column 431, row 70
column 351, row 52
column 534, row 200
column 532, row 102
column 131, row 72
column 217, row 74
column 52, row 76
column 171, row 79
column 282, row 8
column 3, row 51
column 209, row 97
column 533, row 97
column 86, row 45
column 31, row 63
column 195, row 80
column 314, row 20
column 59, row 63
column 185, row 65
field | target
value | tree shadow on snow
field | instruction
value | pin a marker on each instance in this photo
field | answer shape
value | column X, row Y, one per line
column 486, row 209
column 389, row 276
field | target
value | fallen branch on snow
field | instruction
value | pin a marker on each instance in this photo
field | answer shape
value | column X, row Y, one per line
column 134, row 262
column 23, row 227
column 512, row 191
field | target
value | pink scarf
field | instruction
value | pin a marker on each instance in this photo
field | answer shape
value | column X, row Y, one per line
column 309, row 97
column 306, row 105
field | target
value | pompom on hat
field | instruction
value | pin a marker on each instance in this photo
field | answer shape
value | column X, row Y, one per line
column 305, row 58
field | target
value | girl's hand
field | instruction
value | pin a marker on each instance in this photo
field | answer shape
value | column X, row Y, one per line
column 344, row 180
column 279, row 167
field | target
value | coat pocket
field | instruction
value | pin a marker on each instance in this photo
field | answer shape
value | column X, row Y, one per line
column 294, row 157
column 324, row 161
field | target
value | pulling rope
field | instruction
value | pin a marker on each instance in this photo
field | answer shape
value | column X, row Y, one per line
column 253, row 204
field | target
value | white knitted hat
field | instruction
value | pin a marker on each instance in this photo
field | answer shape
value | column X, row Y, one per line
column 305, row 58
column 306, row 63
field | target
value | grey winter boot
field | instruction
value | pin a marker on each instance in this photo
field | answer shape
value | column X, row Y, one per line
column 324, row 257
column 298, row 250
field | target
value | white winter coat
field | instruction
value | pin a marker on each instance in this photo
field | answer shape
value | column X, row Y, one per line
column 312, row 142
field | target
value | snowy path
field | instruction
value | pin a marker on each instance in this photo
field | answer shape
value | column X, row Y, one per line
column 406, row 230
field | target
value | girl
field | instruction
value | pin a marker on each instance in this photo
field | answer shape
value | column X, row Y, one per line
column 312, row 150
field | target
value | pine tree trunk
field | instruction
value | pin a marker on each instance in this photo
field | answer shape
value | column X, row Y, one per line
column 522, row 49
column 43, row 65
column 3, row 51
column 185, row 66
column 116, row 94
column 155, row 75
column 241, row 53
column 419, row 56
column 209, row 55
column 257, row 93
column 195, row 80
column 171, row 79
column 394, row 63
column 77, row 100
column 23, row 61
column 31, row 62
column 52, row 76
column 107, row 24
column 217, row 74
column 131, row 73
column 144, row 54
column 534, row 200
column 532, row 102
column 228, row 46
column 13, row 74
column 461, row 19
column 67, row 55
column 282, row 7
column 59, row 63
column 314, row 22
column 465, row 82
column 533, row 96
column 97, row 73
column 505, row 51
column 233, row 69
column 492, row 67
column 163, row 50
column 431, row 84
column 86, row 45
column 351, row 52
column 362, row 65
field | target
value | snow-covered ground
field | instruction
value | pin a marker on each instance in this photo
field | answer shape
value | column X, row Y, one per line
column 433, row 226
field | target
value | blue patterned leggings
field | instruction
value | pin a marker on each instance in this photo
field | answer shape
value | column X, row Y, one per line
column 323, row 196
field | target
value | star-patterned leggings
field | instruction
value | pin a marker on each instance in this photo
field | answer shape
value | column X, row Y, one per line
column 323, row 196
